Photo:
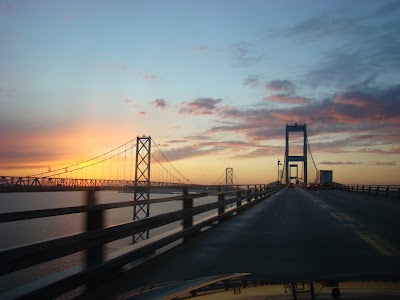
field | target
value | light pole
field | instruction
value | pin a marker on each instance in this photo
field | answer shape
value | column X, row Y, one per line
column 279, row 164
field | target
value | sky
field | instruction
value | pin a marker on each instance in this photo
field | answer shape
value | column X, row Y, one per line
column 214, row 83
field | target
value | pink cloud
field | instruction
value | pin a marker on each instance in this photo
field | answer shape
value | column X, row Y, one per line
column 281, row 85
column 200, row 106
column 159, row 103
column 281, row 98
column 357, row 102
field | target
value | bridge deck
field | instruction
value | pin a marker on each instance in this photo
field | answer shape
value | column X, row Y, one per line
column 293, row 235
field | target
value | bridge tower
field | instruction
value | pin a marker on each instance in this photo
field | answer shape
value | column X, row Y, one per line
column 303, row 158
column 228, row 178
column 142, row 184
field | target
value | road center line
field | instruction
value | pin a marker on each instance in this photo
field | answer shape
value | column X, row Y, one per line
column 380, row 245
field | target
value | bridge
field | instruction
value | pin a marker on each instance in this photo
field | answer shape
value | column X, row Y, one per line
column 268, row 232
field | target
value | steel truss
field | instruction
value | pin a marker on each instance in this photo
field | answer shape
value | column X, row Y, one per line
column 142, row 179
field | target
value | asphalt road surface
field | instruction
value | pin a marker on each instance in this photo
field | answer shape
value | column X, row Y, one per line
column 293, row 235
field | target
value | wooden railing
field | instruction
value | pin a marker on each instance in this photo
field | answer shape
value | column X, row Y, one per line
column 383, row 190
column 98, row 264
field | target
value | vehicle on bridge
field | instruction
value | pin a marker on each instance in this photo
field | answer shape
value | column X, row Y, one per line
column 291, row 185
column 312, row 186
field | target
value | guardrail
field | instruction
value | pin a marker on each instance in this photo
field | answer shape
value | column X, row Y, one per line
column 96, row 263
column 384, row 190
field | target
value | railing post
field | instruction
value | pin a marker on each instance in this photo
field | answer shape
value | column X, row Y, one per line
column 369, row 189
column 248, row 193
column 377, row 189
column 238, row 194
column 94, row 221
column 221, row 197
column 387, row 191
column 187, row 203
column 362, row 190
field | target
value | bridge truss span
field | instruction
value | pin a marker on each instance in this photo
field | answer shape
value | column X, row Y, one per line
column 38, row 184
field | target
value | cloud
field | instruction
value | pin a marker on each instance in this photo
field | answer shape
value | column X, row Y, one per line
column 130, row 103
column 281, row 86
column 371, row 114
column 359, row 59
column 159, row 103
column 261, row 151
column 142, row 113
column 334, row 163
column 388, row 164
column 207, row 147
column 200, row 106
column 225, row 144
column 324, row 26
column 198, row 137
column 243, row 55
column 187, row 152
column 176, row 141
column 253, row 80
column 389, row 8
column 282, row 98
column 365, row 45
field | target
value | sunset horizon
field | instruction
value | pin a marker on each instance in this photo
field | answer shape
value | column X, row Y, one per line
column 213, row 83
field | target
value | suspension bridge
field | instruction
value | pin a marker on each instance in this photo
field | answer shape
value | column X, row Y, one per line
column 267, row 232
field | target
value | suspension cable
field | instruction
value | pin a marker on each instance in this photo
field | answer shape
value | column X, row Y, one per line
column 237, row 181
column 218, row 180
column 34, row 175
column 170, row 162
column 309, row 149
column 95, row 163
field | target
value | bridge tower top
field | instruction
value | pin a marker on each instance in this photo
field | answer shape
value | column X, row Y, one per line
column 302, row 158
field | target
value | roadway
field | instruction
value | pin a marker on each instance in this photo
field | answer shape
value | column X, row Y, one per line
column 293, row 235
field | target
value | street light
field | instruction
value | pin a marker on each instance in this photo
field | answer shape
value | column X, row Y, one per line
column 279, row 164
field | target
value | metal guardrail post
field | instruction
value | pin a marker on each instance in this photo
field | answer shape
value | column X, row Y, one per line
column 221, row 197
column 387, row 191
column 377, row 189
column 369, row 189
column 239, row 203
column 94, row 221
column 248, row 193
column 187, row 203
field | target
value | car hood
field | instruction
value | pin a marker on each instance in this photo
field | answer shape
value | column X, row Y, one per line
column 248, row 286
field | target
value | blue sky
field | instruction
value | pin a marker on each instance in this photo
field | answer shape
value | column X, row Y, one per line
column 214, row 82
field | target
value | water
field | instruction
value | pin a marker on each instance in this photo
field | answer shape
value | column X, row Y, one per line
column 29, row 231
